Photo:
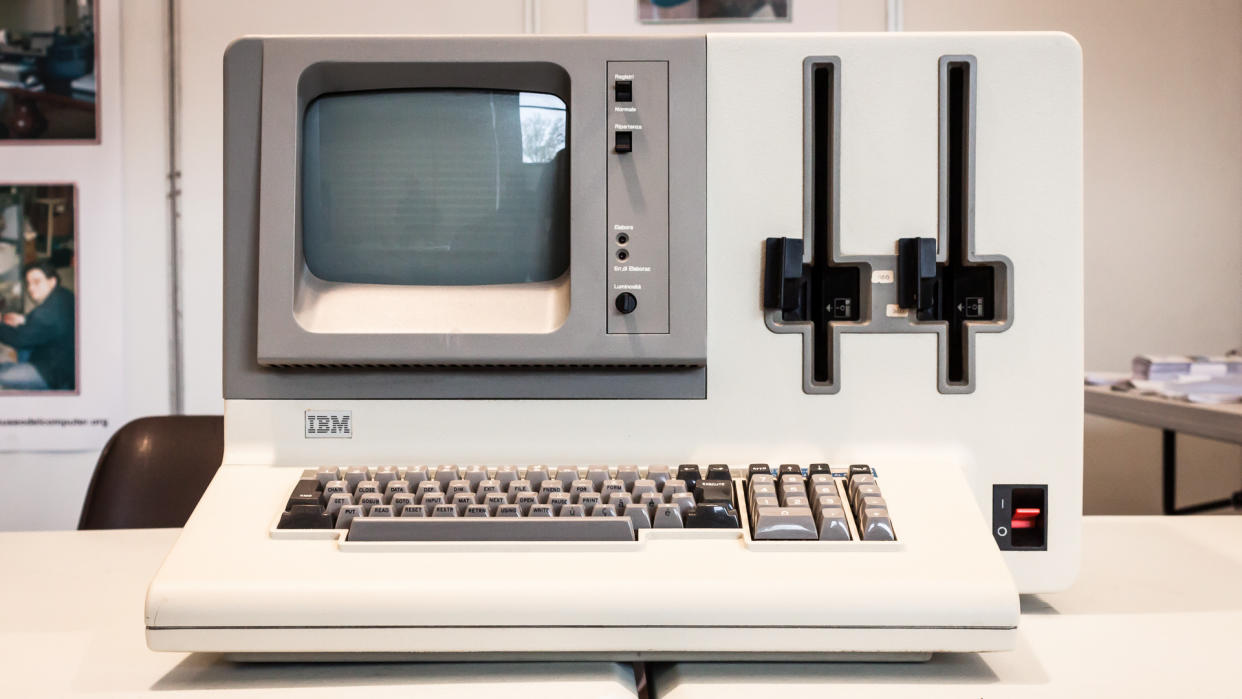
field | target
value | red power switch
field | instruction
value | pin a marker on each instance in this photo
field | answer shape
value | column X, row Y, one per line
column 1024, row 517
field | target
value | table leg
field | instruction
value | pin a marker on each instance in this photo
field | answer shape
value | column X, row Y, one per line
column 1169, row 487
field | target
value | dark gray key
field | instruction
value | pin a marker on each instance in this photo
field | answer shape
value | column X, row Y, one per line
column 393, row 488
column 589, row 500
column 475, row 474
column 579, row 486
column 494, row 501
column 380, row 511
column 461, row 501
column 821, row 479
column 525, row 501
column 718, row 472
column 658, row 473
column 863, row 491
column 611, row 486
column 400, row 500
column 756, row 503
column 785, row 523
column 487, row 529
column 476, row 511
column 547, row 489
column 556, row 501
column 413, row 511
column 791, row 491
column 514, row 488
column 333, row 488
column 832, row 526
column 305, row 516
column 873, row 502
column 424, row 488
column 860, row 480
column 536, row 475
column 763, row 479
column 336, row 501
column 444, row 510
column 432, row 500
column 763, row 491
column 367, row 487
column 508, row 511
column 506, row 475
column 456, row 487
column 369, row 500
column 540, row 511
column 355, row 475
column 795, row 501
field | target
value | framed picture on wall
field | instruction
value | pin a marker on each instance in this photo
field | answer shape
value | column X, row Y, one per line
column 48, row 57
column 38, row 290
column 713, row 10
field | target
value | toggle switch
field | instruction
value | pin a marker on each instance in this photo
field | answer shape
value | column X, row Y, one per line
column 624, row 142
column 623, row 90
column 1024, row 518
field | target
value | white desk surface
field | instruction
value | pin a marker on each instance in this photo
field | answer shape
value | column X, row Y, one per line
column 1157, row 612
column 71, row 625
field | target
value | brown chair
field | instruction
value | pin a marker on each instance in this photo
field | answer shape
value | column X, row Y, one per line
column 153, row 471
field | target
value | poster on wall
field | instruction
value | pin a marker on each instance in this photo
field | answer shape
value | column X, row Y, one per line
column 47, row 71
column 701, row 16
column 61, row 226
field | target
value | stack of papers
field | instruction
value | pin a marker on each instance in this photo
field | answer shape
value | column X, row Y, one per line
column 1148, row 367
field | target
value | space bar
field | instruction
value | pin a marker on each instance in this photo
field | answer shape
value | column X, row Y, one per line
column 491, row 529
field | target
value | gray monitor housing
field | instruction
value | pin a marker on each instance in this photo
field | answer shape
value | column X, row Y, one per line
column 290, row 334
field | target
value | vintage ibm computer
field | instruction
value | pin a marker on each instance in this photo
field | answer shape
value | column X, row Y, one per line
column 733, row 347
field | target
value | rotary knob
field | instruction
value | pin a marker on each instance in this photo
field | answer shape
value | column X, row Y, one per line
column 626, row 303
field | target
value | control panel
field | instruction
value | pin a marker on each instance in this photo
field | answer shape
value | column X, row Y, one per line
column 637, row 225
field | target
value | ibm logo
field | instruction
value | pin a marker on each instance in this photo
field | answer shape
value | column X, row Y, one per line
column 329, row 424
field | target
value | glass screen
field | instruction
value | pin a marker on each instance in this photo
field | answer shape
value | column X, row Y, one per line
column 435, row 187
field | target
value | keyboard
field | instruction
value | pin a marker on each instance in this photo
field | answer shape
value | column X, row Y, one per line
column 600, row 503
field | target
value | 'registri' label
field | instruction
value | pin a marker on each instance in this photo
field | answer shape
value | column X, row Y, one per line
column 329, row 424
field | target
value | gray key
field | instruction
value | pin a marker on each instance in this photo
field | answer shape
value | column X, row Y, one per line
column 684, row 503
column 336, row 501
column 756, row 503
column 355, row 475
column 461, row 501
column 763, row 491
column 876, row 526
column 413, row 511
column 671, row 488
column 588, row 500
column 367, row 487
column 874, row 502
column 400, row 500
column 426, row 487
column 785, row 523
column 380, row 511
column 651, row 499
column 486, row 529
column 627, row 474
column 643, row 485
column 475, row 474
column 494, row 501
column 506, row 475
column 823, row 491
column 566, row 475
column 793, row 479
column 369, row 500
column 415, row 475
column 540, row 511
column 597, row 474
column 393, row 488
column 327, row 474
column 571, row 511
column 486, row 487
column 620, row 501
column 334, row 487
column 445, row 474
column 832, row 526
column 611, row 486
column 536, row 475
column 432, row 500
column 580, row 486
column 794, row 501
column 857, row 481
column 547, row 489
column 458, row 487
column 445, row 510
column 519, row 486
column 863, row 491
column 791, row 491
column 819, row 479
column 602, row 510
column 385, row 475
column 667, row 517
column 658, row 473
column 639, row 516
column 508, row 511
column 556, row 501
column 476, row 511
column 524, row 501
column 346, row 515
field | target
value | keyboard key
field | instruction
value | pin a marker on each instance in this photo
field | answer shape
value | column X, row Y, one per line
column 797, row 502
column 758, row 470
column 367, row 487
column 305, row 516
column 639, row 516
column 415, row 475
column 658, row 473
column 445, row 474
column 432, row 500
column 556, row 501
column 864, row 491
column 506, row 475
column 789, row 469
column 424, row 488
column 525, row 501
column 579, row 486
column 539, row 511
column 413, row 511
column 475, row 474
column 306, row 492
column 547, row 489
column 832, row 526
column 393, row 488
column 713, row 517
column 566, row 475
column 400, row 500
column 458, row 487
column 536, row 475
column 336, row 502
column 764, row 502
column 818, row 469
column 620, row 501
column 602, row 510
column 643, row 485
column 690, row 474
column 347, row 515
column 685, row 503
column 627, row 474
column 355, row 475
column 385, row 475
column 571, row 511
column 857, row 481
column 461, row 501
column 714, row 491
column 452, row 528
column 667, row 517
column 819, row 479
column 476, row 511
column 333, row 488
column 860, row 470
column 611, row 486
column 488, row 486
column 445, row 510
column 380, row 511
column 494, row 501
column 785, row 523
column 876, row 526
column 763, row 479
column 508, row 511
column 597, row 475
column 718, row 472
column 326, row 474
column 673, row 487
column 369, row 500
column 588, row 500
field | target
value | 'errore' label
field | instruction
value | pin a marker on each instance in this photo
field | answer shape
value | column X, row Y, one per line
column 329, row 424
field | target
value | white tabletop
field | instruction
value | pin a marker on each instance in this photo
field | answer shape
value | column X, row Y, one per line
column 72, row 626
column 1157, row 611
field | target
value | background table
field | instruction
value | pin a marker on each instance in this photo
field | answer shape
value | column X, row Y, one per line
column 1220, row 422
column 1157, row 611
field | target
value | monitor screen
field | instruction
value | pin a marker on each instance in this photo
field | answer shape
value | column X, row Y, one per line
column 431, row 187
